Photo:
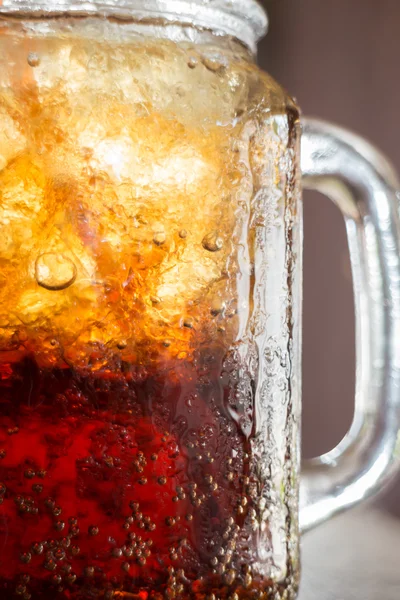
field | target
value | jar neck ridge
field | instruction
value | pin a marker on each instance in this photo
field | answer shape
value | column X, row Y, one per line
column 245, row 20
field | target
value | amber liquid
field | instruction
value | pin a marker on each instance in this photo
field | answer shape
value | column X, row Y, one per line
column 120, row 484
column 147, row 268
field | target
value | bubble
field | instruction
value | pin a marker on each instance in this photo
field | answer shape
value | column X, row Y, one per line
column 26, row 557
column 183, row 234
column 93, row 530
column 55, row 271
column 212, row 242
column 20, row 589
column 127, row 551
column 33, row 59
column 59, row 554
column 213, row 64
column 230, row 576
column 217, row 307
column 188, row 323
column 116, row 552
column 159, row 238
column 37, row 548
column 192, row 62
column 50, row 565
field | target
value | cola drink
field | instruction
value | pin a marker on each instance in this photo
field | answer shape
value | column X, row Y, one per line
column 146, row 274
column 136, row 484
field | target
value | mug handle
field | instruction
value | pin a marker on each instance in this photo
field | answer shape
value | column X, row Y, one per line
column 361, row 182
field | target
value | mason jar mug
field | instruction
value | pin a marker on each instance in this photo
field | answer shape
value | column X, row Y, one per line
column 150, row 304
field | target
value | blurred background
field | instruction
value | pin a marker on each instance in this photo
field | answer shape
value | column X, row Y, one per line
column 339, row 59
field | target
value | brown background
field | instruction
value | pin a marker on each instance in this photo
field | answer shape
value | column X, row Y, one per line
column 339, row 58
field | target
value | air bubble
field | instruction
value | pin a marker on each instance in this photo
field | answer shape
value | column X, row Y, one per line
column 33, row 59
column 192, row 62
column 188, row 323
column 93, row 530
column 212, row 242
column 213, row 64
column 37, row 548
column 159, row 238
column 217, row 307
column 230, row 576
column 55, row 271
column 26, row 557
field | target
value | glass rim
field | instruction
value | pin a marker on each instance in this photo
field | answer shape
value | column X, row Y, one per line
column 245, row 20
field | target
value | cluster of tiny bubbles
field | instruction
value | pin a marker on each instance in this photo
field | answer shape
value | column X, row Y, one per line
column 212, row 242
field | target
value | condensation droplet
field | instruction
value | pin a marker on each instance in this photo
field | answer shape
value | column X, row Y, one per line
column 55, row 271
column 212, row 242
column 33, row 59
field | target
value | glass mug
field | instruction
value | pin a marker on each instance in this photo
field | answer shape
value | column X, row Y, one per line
column 150, row 336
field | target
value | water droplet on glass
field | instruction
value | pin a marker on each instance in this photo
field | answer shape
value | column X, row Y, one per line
column 212, row 242
column 33, row 59
column 55, row 271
